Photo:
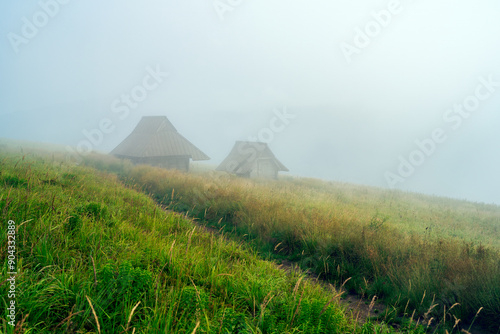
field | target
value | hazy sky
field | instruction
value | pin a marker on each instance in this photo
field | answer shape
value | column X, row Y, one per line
column 386, row 93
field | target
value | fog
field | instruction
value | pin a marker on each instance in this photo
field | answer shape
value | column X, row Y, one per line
column 401, row 94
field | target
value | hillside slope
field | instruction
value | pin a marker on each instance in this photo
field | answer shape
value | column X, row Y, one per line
column 92, row 256
column 414, row 252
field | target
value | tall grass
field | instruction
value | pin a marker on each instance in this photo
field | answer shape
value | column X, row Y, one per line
column 96, row 257
column 412, row 251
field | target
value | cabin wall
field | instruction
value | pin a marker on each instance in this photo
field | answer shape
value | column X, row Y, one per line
column 175, row 162
column 264, row 169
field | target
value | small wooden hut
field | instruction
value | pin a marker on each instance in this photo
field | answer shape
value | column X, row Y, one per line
column 155, row 141
column 252, row 159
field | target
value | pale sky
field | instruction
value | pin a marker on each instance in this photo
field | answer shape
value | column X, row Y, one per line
column 384, row 93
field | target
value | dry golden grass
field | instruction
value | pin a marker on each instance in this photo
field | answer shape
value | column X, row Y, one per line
column 399, row 246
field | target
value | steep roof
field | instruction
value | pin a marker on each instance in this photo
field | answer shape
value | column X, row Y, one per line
column 244, row 155
column 155, row 136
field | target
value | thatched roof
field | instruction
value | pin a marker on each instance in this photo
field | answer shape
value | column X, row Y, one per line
column 155, row 136
column 244, row 156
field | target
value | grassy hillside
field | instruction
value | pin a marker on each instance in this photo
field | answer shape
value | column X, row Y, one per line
column 92, row 256
column 415, row 252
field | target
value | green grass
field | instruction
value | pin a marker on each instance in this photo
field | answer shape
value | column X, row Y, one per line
column 94, row 256
column 412, row 251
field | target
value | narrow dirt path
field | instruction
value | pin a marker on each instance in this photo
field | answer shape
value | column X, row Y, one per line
column 361, row 309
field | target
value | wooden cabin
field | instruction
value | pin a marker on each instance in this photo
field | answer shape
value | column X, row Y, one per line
column 253, row 160
column 156, row 142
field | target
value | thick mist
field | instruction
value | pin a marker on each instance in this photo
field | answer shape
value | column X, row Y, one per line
column 401, row 94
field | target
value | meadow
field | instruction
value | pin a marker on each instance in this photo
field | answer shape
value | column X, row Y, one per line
column 414, row 252
column 108, row 247
column 95, row 256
